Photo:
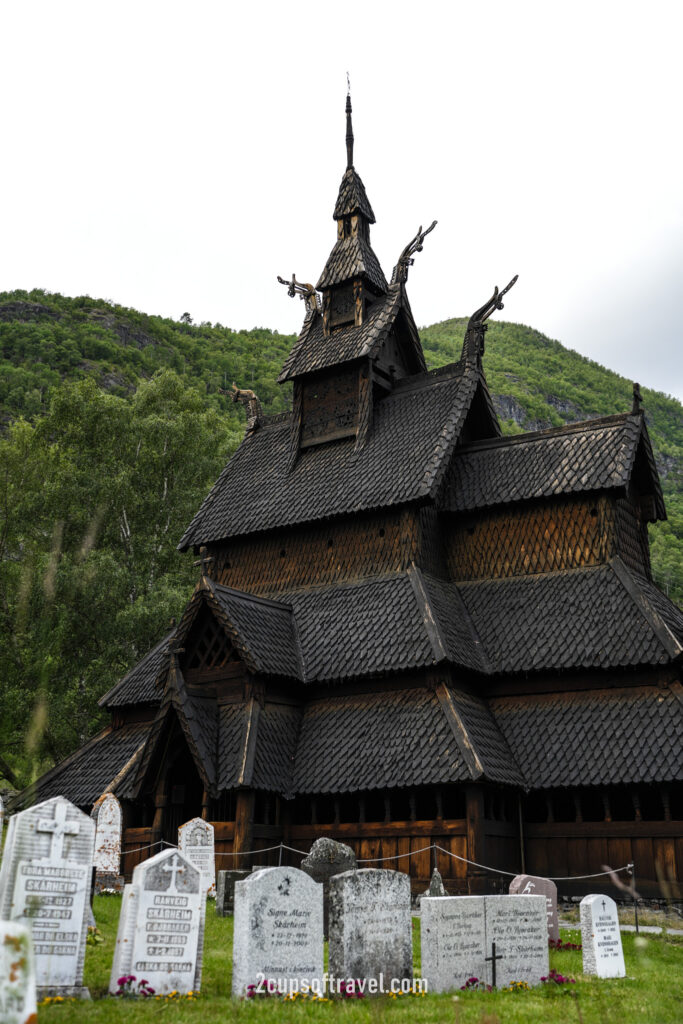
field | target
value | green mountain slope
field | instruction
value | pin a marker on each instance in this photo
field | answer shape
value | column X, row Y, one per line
column 114, row 426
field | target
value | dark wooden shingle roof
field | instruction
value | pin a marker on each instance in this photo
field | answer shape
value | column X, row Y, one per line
column 314, row 350
column 598, row 617
column 258, row 491
column 352, row 197
column 352, row 257
column 593, row 456
column 595, row 738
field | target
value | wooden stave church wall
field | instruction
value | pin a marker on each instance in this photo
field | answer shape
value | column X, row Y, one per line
column 551, row 848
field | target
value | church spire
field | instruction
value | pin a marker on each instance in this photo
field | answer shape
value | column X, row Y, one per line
column 349, row 127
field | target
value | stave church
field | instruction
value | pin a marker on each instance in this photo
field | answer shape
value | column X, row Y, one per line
column 409, row 629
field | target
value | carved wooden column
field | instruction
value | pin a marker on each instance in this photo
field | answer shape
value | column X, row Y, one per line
column 476, row 879
column 244, row 826
column 160, row 802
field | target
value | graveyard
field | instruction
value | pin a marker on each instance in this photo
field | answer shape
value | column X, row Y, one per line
column 650, row 992
column 266, row 943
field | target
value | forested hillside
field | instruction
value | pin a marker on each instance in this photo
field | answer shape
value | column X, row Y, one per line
column 114, row 425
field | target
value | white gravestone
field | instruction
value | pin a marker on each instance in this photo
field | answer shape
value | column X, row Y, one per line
column 106, row 814
column 497, row 939
column 45, row 884
column 278, row 933
column 371, row 927
column 533, row 885
column 161, row 927
column 196, row 843
column 602, row 951
column 17, row 975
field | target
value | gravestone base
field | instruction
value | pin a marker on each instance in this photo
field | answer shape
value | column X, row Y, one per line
column 71, row 992
column 106, row 880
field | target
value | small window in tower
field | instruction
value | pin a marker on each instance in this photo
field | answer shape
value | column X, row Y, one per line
column 381, row 531
column 329, row 542
column 283, row 553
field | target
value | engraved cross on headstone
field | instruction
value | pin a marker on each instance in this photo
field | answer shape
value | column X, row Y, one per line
column 604, row 906
column 493, row 959
column 174, row 868
column 59, row 828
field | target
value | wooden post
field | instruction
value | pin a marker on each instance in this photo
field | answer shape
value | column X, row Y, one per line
column 205, row 805
column 160, row 801
column 244, row 826
column 476, row 878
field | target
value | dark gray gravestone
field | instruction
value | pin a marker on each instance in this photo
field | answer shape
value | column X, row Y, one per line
column 535, row 885
column 225, row 891
column 326, row 859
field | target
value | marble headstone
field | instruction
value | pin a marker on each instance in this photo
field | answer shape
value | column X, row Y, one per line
column 326, row 859
column 106, row 814
column 601, row 939
column 370, row 925
column 535, row 885
column 17, row 975
column 278, row 933
column 196, row 843
column 161, row 927
column 225, row 890
column 458, row 932
column 45, row 884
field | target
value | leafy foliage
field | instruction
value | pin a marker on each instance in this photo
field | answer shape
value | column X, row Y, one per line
column 116, row 424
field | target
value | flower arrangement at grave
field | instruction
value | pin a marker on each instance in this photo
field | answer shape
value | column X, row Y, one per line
column 131, row 988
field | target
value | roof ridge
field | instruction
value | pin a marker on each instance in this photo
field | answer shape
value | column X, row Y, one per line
column 486, row 664
column 248, row 596
column 539, row 435
column 429, row 618
column 669, row 642
column 457, row 726
column 449, row 434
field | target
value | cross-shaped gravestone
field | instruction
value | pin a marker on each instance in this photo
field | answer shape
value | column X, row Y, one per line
column 174, row 868
column 59, row 828
column 493, row 959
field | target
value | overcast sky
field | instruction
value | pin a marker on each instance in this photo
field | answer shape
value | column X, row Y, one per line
column 178, row 156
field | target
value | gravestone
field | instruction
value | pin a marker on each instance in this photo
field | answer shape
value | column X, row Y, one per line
column 196, row 843
column 534, row 885
column 497, row 939
column 17, row 975
column 602, row 951
column 161, row 927
column 45, row 884
column 106, row 814
column 278, row 934
column 370, row 925
column 326, row 859
column 225, row 890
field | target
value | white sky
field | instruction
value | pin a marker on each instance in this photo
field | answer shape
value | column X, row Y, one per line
column 178, row 156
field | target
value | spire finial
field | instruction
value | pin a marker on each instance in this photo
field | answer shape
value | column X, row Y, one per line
column 349, row 126
column 637, row 407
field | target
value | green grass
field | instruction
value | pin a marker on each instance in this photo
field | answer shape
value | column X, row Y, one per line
column 652, row 992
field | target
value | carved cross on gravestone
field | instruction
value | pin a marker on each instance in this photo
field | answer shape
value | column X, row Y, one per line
column 204, row 560
column 493, row 959
column 59, row 828
column 604, row 906
column 174, row 868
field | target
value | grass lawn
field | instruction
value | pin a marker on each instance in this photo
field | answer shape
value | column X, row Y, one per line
column 652, row 992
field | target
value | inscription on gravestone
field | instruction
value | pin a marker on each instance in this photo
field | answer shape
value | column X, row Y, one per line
column 601, row 939
column 45, row 884
column 196, row 843
column 371, row 925
column 106, row 814
column 278, row 934
column 497, row 939
column 161, row 927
